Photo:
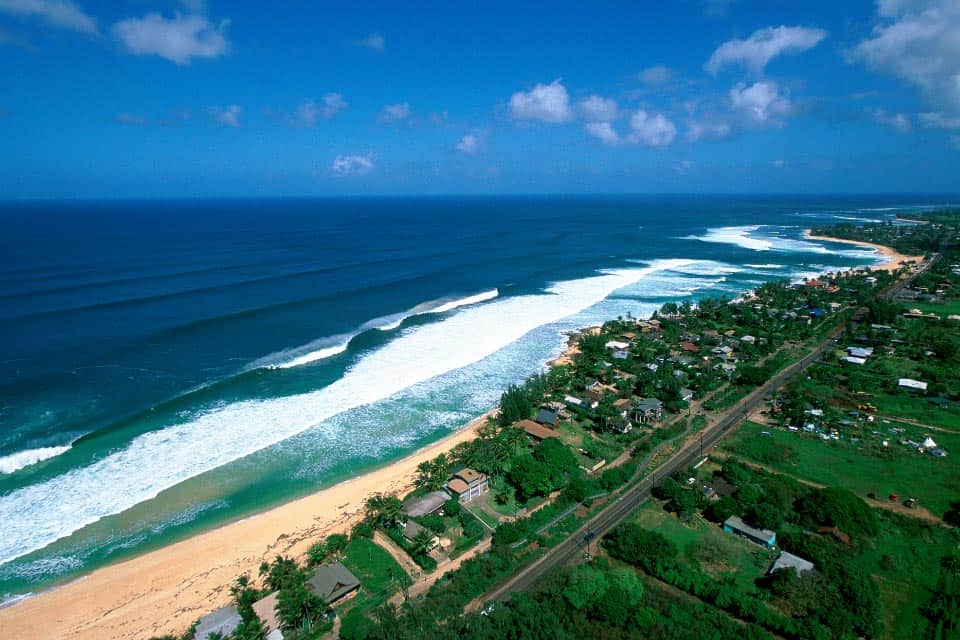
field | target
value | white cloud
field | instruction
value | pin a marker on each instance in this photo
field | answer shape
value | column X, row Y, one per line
column 603, row 131
column 130, row 119
column 546, row 102
column 698, row 130
column 309, row 112
column 353, row 165
column 469, row 144
column 899, row 121
column 394, row 113
column 178, row 39
column 918, row 42
column 652, row 131
column 599, row 109
column 779, row 164
column 373, row 41
column 764, row 45
column 64, row 14
column 656, row 75
column 228, row 116
column 760, row 102
column 940, row 120
column 684, row 166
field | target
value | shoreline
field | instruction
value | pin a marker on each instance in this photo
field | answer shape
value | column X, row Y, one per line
column 167, row 589
column 894, row 259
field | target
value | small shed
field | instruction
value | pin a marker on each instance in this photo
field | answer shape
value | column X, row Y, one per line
column 789, row 561
column 548, row 417
column 764, row 537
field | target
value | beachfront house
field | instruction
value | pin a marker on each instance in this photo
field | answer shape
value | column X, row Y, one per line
column 333, row 583
column 736, row 526
column 266, row 611
column 537, row 431
column 425, row 505
column 223, row 621
column 790, row 561
column 467, row 484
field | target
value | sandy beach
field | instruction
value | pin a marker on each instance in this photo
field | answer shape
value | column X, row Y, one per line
column 166, row 590
column 894, row 259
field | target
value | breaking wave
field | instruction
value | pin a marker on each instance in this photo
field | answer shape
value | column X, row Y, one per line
column 21, row 459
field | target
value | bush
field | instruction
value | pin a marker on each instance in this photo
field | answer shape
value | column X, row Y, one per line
column 426, row 563
column 841, row 508
column 362, row 530
column 433, row 522
column 452, row 507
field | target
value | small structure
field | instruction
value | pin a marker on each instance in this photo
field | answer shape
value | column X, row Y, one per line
column 764, row 537
column 748, row 339
column 412, row 529
column 223, row 621
column 537, row 431
column 266, row 610
column 789, row 561
column 909, row 383
column 855, row 360
column 617, row 345
column 620, row 354
column 548, row 417
column 838, row 535
column 689, row 347
column 860, row 352
column 333, row 583
column 467, row 484
column 686, row 394
column 425, row 504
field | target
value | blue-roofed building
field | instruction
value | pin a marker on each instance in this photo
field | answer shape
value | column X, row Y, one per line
column 764, row 537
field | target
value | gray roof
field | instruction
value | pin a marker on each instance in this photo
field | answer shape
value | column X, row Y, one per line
column 788, row 560
column 412, row 529
column 425, row 504
column 547, row 416
column 333, row 581
column 648, row 404
column 223, row 621
column 735, row 523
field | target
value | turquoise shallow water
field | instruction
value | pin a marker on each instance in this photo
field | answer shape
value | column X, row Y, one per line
column 171, row 366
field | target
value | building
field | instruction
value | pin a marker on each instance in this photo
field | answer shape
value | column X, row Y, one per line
column 790, row 561
column 764, row 537
column 333, row 583
column 860, row 352
column 537, row 431
column 909, row 383
column 686, row 394
column 266, row 610
column 425, row 504
column 412, row 529
column 548, row 417
column 648, row 410
column 467, row 484
column 617, row 345
column 223, row 621
column 855, row 360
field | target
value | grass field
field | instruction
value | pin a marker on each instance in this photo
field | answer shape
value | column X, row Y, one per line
column 717, row 552
column 918, row 409
column 944, row 309
column 379, row 576
column 934, row 482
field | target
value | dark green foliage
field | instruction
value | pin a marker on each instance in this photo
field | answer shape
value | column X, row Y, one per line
column 433, row 521
column 943, row 609
column 721, row 509
column 839, row 507
column 635, row 545
column 452, row 507
column 765, row 516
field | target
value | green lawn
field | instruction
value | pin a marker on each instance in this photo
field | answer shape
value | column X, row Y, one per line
column 379, row 576
column 944, row 309
column 920, row 409
column 934, row 482
column 717, row 552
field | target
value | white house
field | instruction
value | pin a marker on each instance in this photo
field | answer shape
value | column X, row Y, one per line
column 617, row 345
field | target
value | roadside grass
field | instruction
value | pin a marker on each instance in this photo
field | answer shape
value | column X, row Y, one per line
column 934, row 482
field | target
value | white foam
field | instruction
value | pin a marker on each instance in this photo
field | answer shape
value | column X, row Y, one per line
column 751, row 237
column 37, row 515
column 21, row 459
column 328, row 347
column 765, row 266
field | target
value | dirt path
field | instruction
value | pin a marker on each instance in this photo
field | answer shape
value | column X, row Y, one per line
column 422, row 586
column 398, row 554
column 918, row 512
column 918, row 424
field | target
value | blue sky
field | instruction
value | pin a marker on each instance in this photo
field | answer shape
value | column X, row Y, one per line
column 159, row 98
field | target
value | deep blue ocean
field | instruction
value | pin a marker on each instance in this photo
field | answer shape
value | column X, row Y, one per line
column 171, row 365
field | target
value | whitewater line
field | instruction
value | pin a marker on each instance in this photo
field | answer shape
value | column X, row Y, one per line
column 39, row 514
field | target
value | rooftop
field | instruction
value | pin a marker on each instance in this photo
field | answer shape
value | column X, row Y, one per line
column 538, row 431
column 790, row 561
column 428, row 503
column 222, row 621
column 333, row 581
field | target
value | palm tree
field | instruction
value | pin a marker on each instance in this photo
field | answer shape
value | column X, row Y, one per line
column 421, row 544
